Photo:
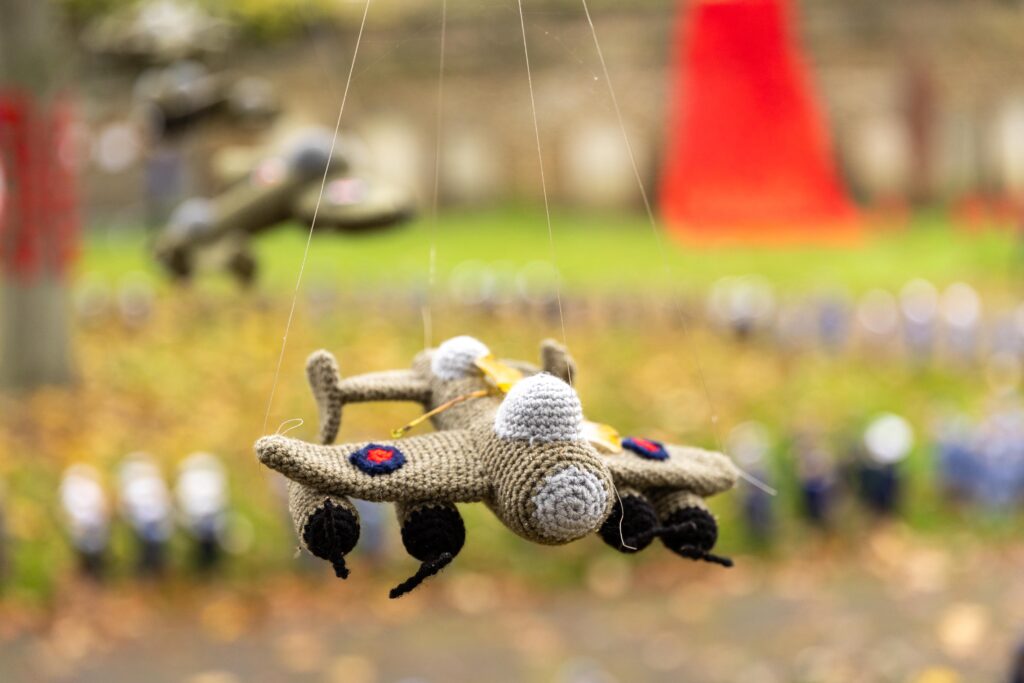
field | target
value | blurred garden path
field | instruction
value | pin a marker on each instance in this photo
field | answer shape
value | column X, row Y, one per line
column 901, row 610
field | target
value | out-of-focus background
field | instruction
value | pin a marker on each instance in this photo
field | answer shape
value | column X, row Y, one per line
column 828, row 287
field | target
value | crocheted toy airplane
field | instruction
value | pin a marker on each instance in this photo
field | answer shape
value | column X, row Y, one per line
column 286, row 187
column 510, row 435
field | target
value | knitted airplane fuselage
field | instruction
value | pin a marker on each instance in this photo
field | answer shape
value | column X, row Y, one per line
column 522, row 454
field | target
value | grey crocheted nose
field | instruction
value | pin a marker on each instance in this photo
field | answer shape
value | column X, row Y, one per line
column 570, row 504
column 311, row 152
column 455, row 358
column 540, row 408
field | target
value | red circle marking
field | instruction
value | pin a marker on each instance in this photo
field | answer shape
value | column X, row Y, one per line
column 379, row 455
column 646, row 445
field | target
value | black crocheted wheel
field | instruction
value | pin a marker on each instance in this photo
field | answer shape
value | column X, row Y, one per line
column 179, row 263
column 696, row 538
column 331, row 533
column 433, row 530
column 244, row 268
column 631, row 526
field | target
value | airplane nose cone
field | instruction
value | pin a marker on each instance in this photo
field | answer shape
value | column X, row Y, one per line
column 570, row 504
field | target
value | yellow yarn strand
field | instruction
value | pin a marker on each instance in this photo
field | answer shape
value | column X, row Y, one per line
column 405, row 429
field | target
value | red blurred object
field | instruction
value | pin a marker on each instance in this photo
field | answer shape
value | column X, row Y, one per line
column 38, row 202
column 981, row 213
column 749, row 157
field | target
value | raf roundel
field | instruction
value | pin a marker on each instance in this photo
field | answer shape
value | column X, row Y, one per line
column 654, row 450
column 375, row 459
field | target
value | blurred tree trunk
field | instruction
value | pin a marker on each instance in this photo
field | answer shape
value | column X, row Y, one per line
column 919, row 107
column 37, row 207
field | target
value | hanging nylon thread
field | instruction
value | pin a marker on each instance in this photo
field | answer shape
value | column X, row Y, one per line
column 316, row 210
column 543, row 181
column 428, row 318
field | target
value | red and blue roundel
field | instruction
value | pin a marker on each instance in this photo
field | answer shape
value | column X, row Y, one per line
column 655, row 450
column 375, row 459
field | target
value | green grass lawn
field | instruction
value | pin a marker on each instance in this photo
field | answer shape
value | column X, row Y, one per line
column 602, row 253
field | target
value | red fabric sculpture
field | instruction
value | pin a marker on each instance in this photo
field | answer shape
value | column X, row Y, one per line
column 748, row 155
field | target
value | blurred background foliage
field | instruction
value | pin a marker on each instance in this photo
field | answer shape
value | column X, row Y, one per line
column 194, row 371
column 264, row 19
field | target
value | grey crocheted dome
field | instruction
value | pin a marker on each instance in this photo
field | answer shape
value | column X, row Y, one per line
column 540, row 408
column 309, row 155
column 192, row 218
column 454, row 358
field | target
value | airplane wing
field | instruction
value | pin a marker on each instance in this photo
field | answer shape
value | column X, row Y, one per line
column 259, row 201
column 441, row 466
column 352, row 203
column 704, row 473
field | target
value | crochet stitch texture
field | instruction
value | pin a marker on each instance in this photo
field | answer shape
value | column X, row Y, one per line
column 540, row 408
